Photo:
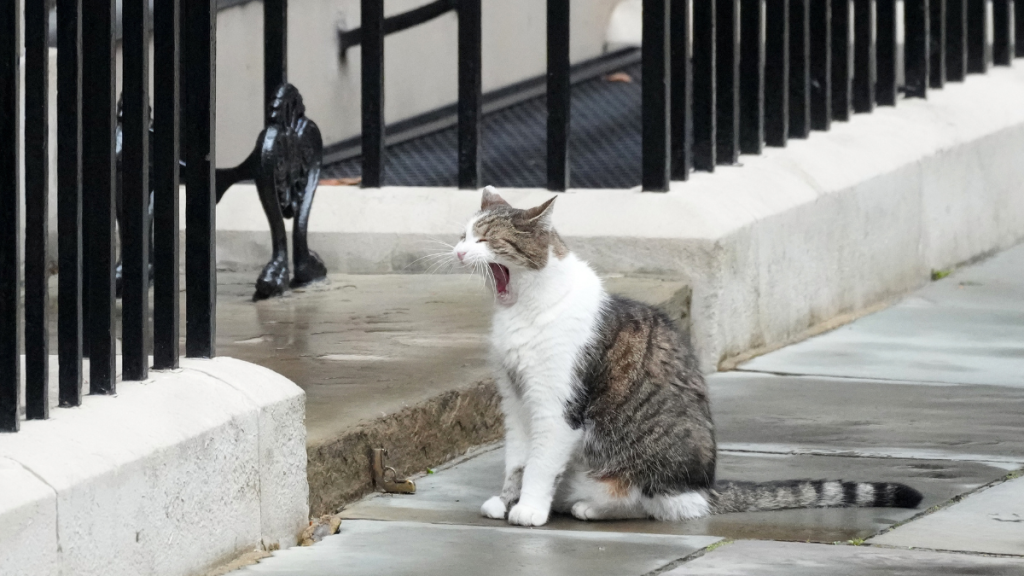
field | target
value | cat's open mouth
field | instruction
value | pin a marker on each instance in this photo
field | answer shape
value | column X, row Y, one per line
column 501, row 277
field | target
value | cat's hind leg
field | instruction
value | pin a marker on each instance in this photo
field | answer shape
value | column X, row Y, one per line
column 588, row 498
column 675, row 507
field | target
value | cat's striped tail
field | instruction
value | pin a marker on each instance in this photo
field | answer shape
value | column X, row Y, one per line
column 780, row 495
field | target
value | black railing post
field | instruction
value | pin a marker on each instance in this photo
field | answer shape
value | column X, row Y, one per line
column 200, row 41
column 166, row 153
column 776, row 73
column 69, row 201
column 135, row 191
column 470, row 99
column 1018, row 28
column 372, row 14
column 275, row 49
column 863, row 55
column 1002, row 32
column 10, row 111
column 937, row 44
column 99, row 122
column 37, row 191
column 977, row 37
column 956, row 40
column 682, row 89
column 656, row 83
column 559, row 94
column 704, row 85
column 727, row 66
column 916, row 47
column 842, row 60
column 886, row 52
column 799, row 69
column 821, row 64
column 752, row 64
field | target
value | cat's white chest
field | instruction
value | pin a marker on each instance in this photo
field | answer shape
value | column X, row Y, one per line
column 543, row 334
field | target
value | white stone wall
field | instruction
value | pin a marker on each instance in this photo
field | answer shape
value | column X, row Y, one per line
column 784, row 241
column 172, row 476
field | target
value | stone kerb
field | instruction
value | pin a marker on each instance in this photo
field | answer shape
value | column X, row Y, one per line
column 171, row 476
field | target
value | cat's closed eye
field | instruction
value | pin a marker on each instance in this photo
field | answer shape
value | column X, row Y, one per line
column 481, row 240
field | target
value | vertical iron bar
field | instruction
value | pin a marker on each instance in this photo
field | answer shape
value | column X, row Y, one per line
column 99, row 122
column 372, row 14
column 916, row 47
column 799, row 69
column 166, row 180
column 776, row 73
column 886, row 52
column 275, row 50
column 752, row 64
column 727, row 67
column 704, row 85
column 69, row 201
column 656, row 82
column 956, row 40
column 37, row 191
column 200, row 42
column 135, row 190
column 469, row 94
column 977, row 40
column 1002, row 32
column 937, row 44
column 821, row 64
column 10, row 363
column 559, row 93
column 681, row 91
column 1018, row 28
column 863, row 55
column 842, row 60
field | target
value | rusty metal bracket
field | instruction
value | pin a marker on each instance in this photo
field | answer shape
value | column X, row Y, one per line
column 386, row 479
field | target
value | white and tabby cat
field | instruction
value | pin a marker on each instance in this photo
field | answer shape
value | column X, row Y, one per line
column 606, row 414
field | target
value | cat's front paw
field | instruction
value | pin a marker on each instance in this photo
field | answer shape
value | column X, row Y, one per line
column 523, row 515
column 493, row 508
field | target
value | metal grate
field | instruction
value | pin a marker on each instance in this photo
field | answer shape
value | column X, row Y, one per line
column 604, row 143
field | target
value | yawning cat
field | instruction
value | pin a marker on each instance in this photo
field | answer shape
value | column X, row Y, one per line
column 606, row 413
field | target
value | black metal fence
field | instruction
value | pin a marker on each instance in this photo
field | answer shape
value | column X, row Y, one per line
column 720, row 78
column 87, row 190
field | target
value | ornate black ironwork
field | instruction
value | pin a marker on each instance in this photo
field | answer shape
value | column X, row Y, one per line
column 286, row 168
column 285, row 165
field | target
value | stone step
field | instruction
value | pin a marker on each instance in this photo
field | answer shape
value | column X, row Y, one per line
column 387, row 361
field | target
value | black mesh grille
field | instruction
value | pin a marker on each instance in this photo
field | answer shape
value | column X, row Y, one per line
column 604, row 144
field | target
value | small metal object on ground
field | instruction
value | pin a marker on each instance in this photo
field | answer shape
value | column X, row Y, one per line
column 386, row 479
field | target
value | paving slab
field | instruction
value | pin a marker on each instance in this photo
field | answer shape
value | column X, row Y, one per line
column 790, row 559
column 367, row 548
column 771, row 413
column 454, row 496
column 967, row 328
column 989, row 521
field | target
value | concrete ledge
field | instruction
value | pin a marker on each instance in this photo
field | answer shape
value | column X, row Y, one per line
column 171, row 476
column 829, row 225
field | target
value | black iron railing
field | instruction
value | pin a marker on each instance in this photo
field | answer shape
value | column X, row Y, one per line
column 720, row 78
column 87, row 182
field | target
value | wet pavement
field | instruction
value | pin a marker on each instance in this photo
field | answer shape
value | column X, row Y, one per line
column 929, row 392
column 363, row 347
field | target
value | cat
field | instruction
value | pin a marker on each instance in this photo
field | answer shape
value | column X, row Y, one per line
column 606, row 414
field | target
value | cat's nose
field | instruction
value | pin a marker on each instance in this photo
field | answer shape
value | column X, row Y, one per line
column 461, row 255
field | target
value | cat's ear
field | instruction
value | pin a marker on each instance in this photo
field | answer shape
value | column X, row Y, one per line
column 491, row 199
column 543, row 212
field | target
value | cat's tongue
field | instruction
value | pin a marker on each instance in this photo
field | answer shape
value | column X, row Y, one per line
column 501, row 277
